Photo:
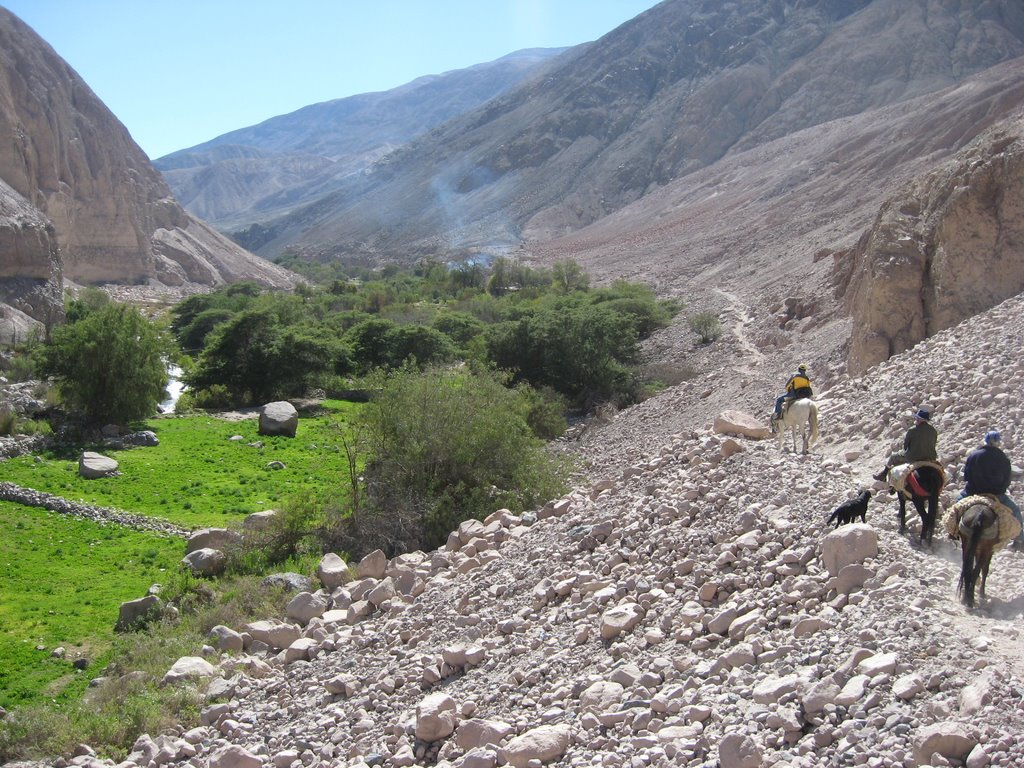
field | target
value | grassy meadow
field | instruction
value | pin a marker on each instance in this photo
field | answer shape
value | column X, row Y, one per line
column 62, row 579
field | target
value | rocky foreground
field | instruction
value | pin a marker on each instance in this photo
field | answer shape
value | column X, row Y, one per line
column 690, row 610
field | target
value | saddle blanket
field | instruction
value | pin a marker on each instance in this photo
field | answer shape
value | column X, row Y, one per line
column 1007, row 526
column 899, row 476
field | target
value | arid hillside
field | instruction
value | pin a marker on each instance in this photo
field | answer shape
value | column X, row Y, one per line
column 672, row 93
column 255, row 174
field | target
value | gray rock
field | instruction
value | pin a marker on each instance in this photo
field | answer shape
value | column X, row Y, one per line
column 278, row 418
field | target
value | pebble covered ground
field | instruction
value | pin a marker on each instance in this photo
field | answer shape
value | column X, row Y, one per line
column 688, row 607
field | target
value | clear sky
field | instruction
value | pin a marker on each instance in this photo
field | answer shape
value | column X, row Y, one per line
column 180, row 72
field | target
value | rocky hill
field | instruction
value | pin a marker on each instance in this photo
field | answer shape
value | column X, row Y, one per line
column 79, row 199
column 680, row 88
column 687, row 605
column 260, row 172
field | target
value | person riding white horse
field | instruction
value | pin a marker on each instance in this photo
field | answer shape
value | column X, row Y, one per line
column 798, row 386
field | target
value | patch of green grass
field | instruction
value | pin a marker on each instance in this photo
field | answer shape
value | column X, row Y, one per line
column 111, row 716
column 62, row 580
column 197, row 477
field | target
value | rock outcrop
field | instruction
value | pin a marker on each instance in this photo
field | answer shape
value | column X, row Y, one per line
column 946, row 248
column 77, row 185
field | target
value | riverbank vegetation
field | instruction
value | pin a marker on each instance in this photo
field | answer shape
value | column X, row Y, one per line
column 437, row 390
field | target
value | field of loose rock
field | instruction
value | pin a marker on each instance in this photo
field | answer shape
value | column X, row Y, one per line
column 689, row 607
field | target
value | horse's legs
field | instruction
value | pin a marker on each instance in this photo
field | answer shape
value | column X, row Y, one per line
column 919, row 505
column 986, row 561
column 968, row 573
column 903, row 512
column 928, row 523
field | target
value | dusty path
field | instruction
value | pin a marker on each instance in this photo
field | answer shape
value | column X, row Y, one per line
column 739, row 319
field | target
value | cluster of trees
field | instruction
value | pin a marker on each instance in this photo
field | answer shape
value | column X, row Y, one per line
column 471, row 373
column 546, row 327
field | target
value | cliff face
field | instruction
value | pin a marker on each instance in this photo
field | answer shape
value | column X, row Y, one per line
column 69, row 162
column 950, row 246
column 30, row 275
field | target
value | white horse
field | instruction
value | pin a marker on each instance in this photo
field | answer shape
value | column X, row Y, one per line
column 801, row 415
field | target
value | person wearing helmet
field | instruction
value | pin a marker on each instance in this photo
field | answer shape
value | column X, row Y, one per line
column 987, row 470
column 919, row 444
column 799, row 385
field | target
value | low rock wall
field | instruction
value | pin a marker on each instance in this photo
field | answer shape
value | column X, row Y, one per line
column 103, row 515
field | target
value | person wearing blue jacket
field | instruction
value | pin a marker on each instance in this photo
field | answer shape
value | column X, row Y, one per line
column 988, row 470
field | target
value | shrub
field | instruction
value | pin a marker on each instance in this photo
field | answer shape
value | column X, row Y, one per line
column 442, row 447
column 109, row 366
column 706, row 326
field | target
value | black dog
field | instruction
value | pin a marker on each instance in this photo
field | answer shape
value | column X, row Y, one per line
column 848, row 510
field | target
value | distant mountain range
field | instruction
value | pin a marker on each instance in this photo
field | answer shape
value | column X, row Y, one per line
column 258, row 173
column 675, row 90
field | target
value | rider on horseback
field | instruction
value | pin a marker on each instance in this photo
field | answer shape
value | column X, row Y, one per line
column 987, row 470
column 919, row 444
column 799, row 385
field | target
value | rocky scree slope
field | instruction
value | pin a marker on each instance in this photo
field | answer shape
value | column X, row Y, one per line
column 688, row 608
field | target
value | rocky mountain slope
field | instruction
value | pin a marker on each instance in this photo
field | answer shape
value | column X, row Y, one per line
column 680, row 88
column 262, row 171
column 864, row 221
column 79, row 199
column 687, row 605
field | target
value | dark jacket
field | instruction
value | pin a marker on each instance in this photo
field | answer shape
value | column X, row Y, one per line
column 921, row 443
column 987, row 470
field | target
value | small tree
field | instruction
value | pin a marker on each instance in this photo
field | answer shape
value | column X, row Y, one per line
column 706, row 326
column 443, row 447
column 109, row 366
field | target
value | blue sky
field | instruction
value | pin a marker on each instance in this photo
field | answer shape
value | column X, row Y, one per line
column 180, row 72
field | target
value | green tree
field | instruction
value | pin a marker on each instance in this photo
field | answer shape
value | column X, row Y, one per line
column 579, row 349
column 706, row 325
column 258, row 359
column 568, row 276
column 444, row 447
column 109, row 366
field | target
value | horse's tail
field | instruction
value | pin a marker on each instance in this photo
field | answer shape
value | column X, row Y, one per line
column 970, row 565
column 812, row 417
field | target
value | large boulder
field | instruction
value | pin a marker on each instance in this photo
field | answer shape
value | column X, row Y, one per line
column 740, row 424
column 211, row 538
column 546, row 743
column 206, row 562
column 277, row 634
column 848, row 545
column 136, row 612
column 189, row 668
column 332, row 571
column 279, row 418
column 435, row 717
column 93, row 465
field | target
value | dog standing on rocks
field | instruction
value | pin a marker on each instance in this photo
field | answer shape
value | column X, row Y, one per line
column 851, row 509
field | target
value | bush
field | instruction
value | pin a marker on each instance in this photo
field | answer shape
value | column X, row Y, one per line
column 706, row 326
column 109, row 366
column 443, row 447
column 581, row 350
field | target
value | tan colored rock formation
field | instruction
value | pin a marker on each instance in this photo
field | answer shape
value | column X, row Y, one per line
column 950, row 246
column 76, row 181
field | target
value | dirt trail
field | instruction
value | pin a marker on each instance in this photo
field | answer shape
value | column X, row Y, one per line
column 739, row 319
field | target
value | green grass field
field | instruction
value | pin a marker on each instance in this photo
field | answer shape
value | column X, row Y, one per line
column 62, row 579
column 61, row 582
column 197, row 477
